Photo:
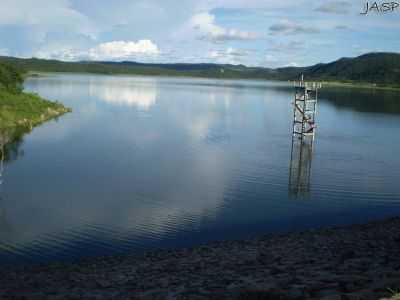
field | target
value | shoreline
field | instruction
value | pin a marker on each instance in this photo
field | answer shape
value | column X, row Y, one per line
column 354, row 85
column 328, row 84
column 14, row 112
column 350, row 262
column 21, row 112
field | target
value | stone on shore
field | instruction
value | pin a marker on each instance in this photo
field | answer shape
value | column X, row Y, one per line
column 354, row 262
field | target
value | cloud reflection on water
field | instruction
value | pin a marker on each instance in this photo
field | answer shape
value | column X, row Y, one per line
column 125, row 91
column 131, row 178
column 206, row 155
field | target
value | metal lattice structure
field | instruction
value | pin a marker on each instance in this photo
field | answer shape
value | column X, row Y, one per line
column 304, row 127
column 305, row 108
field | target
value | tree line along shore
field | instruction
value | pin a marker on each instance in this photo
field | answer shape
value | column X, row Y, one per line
column 378, row 70
column 21, row 111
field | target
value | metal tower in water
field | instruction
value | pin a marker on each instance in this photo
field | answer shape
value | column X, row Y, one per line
column 305, row 108
column 304, row 127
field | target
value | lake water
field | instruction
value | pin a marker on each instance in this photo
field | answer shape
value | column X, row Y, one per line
column 147, row 162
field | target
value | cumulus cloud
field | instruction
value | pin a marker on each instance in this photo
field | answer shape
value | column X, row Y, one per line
column 115, row 50
column 287, row 47
column 342, row 27
column 75, row 29
column 228, row 56
column 270, row 58
column 204, row 23
column 335, row 7
column 229, row 52
column 280, row 59
column 4, row 52
column 292, row 64
column 123, row 50
column 49, row 15
column 27, row 27
column 67, row 54
column 287, row 27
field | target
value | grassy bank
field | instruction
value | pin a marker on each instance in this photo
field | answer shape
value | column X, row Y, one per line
column 396, row 296
column 26, row 109
column 22, row 110
column 19, row 111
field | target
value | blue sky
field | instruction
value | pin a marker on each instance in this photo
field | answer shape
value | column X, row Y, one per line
column 251, row 32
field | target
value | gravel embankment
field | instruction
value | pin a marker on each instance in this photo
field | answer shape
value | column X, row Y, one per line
column 354, row 262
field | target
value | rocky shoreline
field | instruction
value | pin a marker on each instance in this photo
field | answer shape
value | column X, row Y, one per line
column 353, row 262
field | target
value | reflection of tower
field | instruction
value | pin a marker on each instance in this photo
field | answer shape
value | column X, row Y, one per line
column 300, row 167
column 303, row 134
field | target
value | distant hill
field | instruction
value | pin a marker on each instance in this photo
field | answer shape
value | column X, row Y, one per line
column 383, row 68
column 378, row 68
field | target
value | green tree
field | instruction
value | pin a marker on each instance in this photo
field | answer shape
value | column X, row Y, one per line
column 11, row 78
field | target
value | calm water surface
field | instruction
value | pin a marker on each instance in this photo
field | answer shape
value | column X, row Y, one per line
column 145, row 162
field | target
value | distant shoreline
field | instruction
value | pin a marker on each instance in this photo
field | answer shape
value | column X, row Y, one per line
column 357, row 85
column 352, row 262
column 374, row 70
column 352, row 85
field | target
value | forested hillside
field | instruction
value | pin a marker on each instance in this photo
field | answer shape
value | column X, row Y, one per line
column 375, row 68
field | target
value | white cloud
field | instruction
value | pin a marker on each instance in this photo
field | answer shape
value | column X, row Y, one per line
column 289, row 27
column 48, row 16
column 342, row 27
column 204, row 23
column 292, row 64
column 123, row 50
column 335, row 7
column 276, row 60
column 70, row 29
column 287, row 46
column 228, row 52
column 270, row 58
column 67, row 54
column 115, row 50
column 252, row 4
column 228, row 56
column 4, row 52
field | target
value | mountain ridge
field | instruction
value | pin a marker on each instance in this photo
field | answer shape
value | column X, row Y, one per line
column 380, row 68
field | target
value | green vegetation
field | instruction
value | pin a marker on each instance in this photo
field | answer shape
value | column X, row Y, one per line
column 10, row 78
column 10, row 142
column 19, row 111
column 361, row 85
column 26, row 110
column 373, row 70
column 395, row 294
column 363, row 100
